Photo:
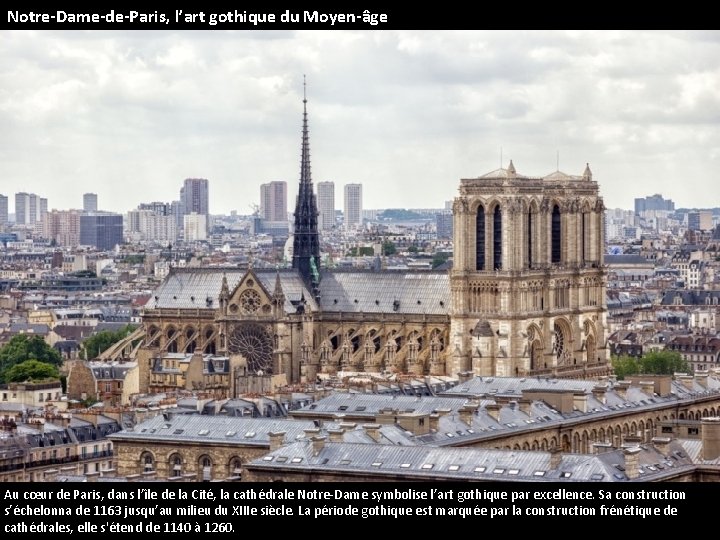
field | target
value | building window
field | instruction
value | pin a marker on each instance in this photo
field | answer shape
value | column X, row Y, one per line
column 480, row 239
column 529, row 239
column 556, row 230
column 147, row 462
column 497, row 238
column 205, row 469
column 235, row 467
column 175, row 465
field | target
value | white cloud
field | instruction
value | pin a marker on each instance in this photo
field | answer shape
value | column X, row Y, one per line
column 129, row 115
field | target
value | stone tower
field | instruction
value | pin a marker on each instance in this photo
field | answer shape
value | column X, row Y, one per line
column 527, row 284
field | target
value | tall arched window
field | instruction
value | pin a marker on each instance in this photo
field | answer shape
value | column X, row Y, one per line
column 555, row 232
column 529, row 239
column 147, row 462
column 175, row 465
column 205, row 469
column 480, row 239
column 497, row 238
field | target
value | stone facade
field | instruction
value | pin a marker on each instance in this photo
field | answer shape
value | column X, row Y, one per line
column 528, row 283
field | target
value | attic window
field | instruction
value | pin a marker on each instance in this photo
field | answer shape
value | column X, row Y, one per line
column 178, row 431
column 539, row 473
column 203, row 432
column 344, row 462
column 404, row 465
column 454, row 468
column 376, row 464
column 268, row 458
column 480, row 469
column 249, row 434
column 231, row 433
column 296, row 460
column 281, row 459
column 597, row 476
column 565, row 474
column 498, row 470
column 427, row 466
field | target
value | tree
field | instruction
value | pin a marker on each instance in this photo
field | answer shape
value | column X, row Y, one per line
column 664, row 363
column 439, row 259
column 24, row 347
column 98, row 343
column 624, row 366
column 31, row 370
column 388, row 248
column 653, row 363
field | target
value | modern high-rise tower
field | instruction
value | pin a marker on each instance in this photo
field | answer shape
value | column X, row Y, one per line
column 326, row 205
column 353, row 205
column 273, row 201
column 90, row 202
column 194, row 197
column 29, row 208
column 306, row 241
column 3, row 210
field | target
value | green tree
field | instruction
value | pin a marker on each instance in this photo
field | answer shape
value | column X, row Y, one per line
column 652, row 363
column 439, row 258
column 388, row 248
column 24, row 347
column 31, row 370
column 624, row 366
column 96, row 344
column 664, row 363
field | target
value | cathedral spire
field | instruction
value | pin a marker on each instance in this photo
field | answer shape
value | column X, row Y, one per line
column 306, row 240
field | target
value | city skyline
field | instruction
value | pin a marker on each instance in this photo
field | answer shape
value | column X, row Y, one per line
column 123, row 115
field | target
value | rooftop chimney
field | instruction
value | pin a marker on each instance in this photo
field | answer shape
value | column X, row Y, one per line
column 632, row 462
column 662, row 445
column 336, row 435
column 599, row 393
column 525, row 406
column 686, row 380
column 711, row 437
column 318, row 443
column 276, row 439
column 434, row 421
column 580, row 401
column 493, row 409
column 701, row 377
column 555, row 458
column 373, row 430
column 466, row 413
column 648, row 387
column 621, row 388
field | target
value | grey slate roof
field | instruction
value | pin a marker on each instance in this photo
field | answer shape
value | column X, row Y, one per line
column 214, row 429
column 428, row 463
column 369, row 405
column 386, row 292
column 190, row 288
column 361, row 291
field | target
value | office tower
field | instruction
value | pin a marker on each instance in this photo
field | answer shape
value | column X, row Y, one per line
column 90, row 202
column 273, row 201
column 63, row 226
column 29, row 208
column 3, row 210
column 653, row 202
column 326, row 205
column 195, row 227
column 353, row 205
column 444, row 225
column 700, row 220
column 102, row 230
column 194, row 196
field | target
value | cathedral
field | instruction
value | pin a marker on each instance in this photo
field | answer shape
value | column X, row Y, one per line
column 525, row 297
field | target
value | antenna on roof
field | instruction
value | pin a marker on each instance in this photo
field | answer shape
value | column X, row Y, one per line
column 501, row 157
column 558, row 160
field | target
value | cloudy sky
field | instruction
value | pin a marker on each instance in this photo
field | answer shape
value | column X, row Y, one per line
column 129, row 115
